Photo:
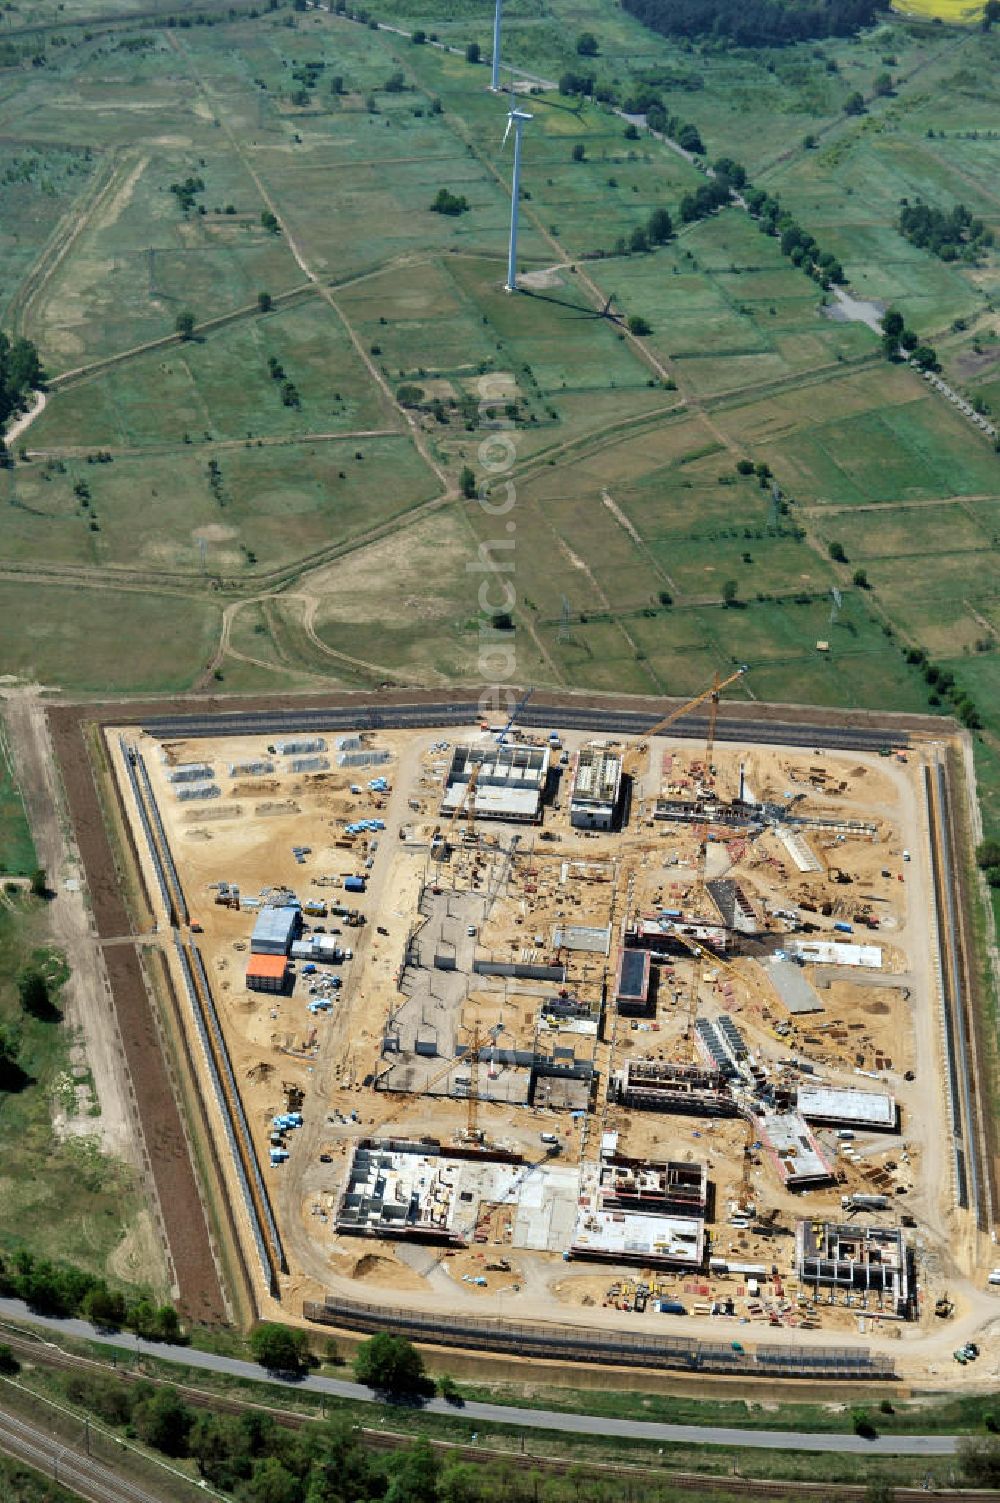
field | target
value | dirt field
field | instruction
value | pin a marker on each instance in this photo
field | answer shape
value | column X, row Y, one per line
column 883, row 1023
column 189, row 1247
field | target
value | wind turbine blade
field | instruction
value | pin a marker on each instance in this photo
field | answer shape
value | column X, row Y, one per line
column 510, row 122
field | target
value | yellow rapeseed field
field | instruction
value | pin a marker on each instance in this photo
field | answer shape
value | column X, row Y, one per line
column 957, row 12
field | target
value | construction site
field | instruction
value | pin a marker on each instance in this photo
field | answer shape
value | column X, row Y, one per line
column 534, row 1025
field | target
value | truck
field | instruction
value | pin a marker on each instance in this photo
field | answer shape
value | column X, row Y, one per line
column 843, row 928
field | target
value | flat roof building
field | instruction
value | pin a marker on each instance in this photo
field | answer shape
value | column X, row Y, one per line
column 632, row 1237
column 597, row 779
column 796, row 1154
column 274, row 930
column 510, row 784
column 267, row 973
column 632, row 983
column 872, row 1261
column 669, row 1187
column 834, row 1107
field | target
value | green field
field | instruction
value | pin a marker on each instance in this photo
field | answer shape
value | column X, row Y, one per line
column 331, row 523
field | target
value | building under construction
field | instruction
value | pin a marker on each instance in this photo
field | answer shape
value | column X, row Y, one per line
column 597, row 780
column 658, row 1086
column 510, row 782
column 870, row 1261
column 637, row 1211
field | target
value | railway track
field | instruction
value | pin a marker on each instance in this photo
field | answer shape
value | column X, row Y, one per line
column 74, row 1470
column 381, row 1439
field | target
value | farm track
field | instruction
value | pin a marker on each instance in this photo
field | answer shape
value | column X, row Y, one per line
column 105, row 179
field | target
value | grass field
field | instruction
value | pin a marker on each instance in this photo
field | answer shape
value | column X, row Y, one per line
column 81, row 1207
column 623, row 450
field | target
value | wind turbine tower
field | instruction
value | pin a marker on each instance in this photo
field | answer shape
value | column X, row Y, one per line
column 515, row 118
column 495, row 79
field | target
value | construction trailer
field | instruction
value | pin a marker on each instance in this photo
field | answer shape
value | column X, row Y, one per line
column 267, row 973
column 873, row 1262
column 596, row 788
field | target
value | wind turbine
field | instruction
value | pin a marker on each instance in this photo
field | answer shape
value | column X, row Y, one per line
column 495, row 80
column 515, row 118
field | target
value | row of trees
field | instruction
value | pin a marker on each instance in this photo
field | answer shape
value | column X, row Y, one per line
column 20, row 374
column 62, row 1290
column 951, row 236
column 796, row 243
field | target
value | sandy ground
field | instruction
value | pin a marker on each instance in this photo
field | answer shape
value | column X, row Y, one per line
column 888, row 1030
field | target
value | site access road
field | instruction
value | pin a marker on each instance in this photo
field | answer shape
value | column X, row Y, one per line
column 501, row 1414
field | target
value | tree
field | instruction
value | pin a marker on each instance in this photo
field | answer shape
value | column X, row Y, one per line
column 104, row 1307
column 449, row 1390
column 631, row 131
column 979, row 1460
column 991, row 13
column 854, row 104
column 409, row 396
column 689, row 139
column 33, row 991
column 9, row 1364
column 270, row 222
column 414, row 1476
column 860, row 579
column 467, row 483
column 418, row 37
column 473, row 53
column 925, row 356
column 837, row 553
column 164, row 1421
column 586, row 44
column 579, row 152
column 660, row 227
column 988, row 853
column 729, row 591
column 265, row 302
column 279, row 1349
column 892, row 323
column 665, row 598
column 883, row 85
column 39, row 883
column 12, row 1076
column 391, row 1364
column 184, row 323
column 271, row 1482
column 639, row 325
column 638, row 241
column 744, row 467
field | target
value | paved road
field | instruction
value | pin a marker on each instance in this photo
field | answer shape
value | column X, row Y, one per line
column 524, row 1419
column 80, row 1474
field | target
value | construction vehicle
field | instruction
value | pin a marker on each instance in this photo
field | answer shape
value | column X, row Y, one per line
column 711, row 694
column 442, row 843
column 944, row 1306
column 515, row 712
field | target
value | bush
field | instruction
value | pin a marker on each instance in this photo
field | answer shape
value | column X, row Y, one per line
column 446, row 202
column 473, row 53
column 579, row 152
column 586, row 44
column 837, row 553
column 639, row 325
